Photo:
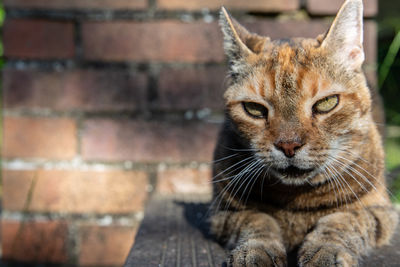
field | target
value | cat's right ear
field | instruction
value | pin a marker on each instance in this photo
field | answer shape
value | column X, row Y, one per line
column 345, row 37
column 239, row 43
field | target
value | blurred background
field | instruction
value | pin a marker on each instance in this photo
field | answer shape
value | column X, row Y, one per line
column 106, row 102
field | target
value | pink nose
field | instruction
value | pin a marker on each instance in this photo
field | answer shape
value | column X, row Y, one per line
column 288, row 148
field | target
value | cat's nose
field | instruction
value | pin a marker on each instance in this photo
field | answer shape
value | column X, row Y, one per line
column 288, row 148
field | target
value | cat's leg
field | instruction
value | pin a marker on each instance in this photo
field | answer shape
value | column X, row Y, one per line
column 339, row 239
column 254, row 237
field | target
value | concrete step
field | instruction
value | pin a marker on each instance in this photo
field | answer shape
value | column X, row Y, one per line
column 174, row 232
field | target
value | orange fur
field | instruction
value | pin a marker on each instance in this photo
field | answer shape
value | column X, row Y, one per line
column 296, row 176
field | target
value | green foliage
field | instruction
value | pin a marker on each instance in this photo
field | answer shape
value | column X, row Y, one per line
column 389, row 85
column 389, row 66
column 392, row 148
column 2, row 14
column 389, row 59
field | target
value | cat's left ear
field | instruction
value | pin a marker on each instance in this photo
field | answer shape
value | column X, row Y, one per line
column 345, row 37
column 239, row 43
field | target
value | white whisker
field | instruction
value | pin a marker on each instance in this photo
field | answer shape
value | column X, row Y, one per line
column 225, row 158
column 331, row 183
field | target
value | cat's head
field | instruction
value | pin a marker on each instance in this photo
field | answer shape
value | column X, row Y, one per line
column 302, row 104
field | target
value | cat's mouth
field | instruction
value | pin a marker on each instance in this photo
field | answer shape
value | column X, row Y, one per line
column 294, row 172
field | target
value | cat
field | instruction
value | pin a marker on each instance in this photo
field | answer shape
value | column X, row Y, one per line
column 299, row 163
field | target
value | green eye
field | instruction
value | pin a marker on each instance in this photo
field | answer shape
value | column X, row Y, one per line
column 255, row 110
column 326, row 104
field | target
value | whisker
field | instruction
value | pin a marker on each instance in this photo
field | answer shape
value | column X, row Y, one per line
column 348, row 151
column 340, row 180
column 245, row 178
column 359, row 175
column 232, row 171
column 225, row 158
column 346, row 171
column 262, row 182
column 255, row 177
column 354, row 163
column 338, row 185
column 349, row 187
column 241, row 149
column 331, row 183
column 234, row 181
column 237, row 163
column 357, row 165
column 247, row 184
column 219, row 197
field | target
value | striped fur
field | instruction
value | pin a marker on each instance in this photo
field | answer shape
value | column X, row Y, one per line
column 328, row 199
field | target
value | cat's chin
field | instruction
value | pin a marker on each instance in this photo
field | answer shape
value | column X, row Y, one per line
column 293, row 175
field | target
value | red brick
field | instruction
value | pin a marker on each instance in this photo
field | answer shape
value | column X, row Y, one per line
column 38, row 39
column 53, row 138
column 76, row 4
column 34, row 241
column 331, row 7
column 287, row 29
column 184, row 181
column 370, row 42
column 148, row 141
column 171, row 41
column 152, row 41
column 191, row 88
column 74, row 191
column 372, row 78
column 253, row 5
column 89, row 90
column 105, row 245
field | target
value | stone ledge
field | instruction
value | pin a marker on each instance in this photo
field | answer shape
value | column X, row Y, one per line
column 174, row 233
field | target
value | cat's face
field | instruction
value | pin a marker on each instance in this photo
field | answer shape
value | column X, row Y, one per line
column 303, row 105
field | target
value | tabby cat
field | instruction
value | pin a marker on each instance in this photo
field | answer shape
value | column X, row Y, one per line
column 299, row 163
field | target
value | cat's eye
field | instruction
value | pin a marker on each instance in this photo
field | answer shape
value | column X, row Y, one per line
column 255, row 110
column 326, row 104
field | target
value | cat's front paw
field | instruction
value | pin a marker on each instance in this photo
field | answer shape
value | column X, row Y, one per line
column 313, row 255
column 256, row 252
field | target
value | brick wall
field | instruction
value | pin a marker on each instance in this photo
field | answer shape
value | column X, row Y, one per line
column 108, row 101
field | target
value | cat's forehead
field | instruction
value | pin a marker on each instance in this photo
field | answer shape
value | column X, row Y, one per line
column 296, row 42
column 288, row 73
column 292, row 51
column 289, row 64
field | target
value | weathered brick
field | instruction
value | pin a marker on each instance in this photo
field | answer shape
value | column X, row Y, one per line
column 89, row 90
column 253, row 5
column 372, row 78
column 147, row 141
column 184, row 181
column 76, row 4
column 331, row 7
column 74, row 191
column 182, row 42
column 38, row 39
column 34, row 241
column 105, row 245
column 370, row 42
column 191, row 88
column 287, row 29
column 152, row 41
column 54, row 138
